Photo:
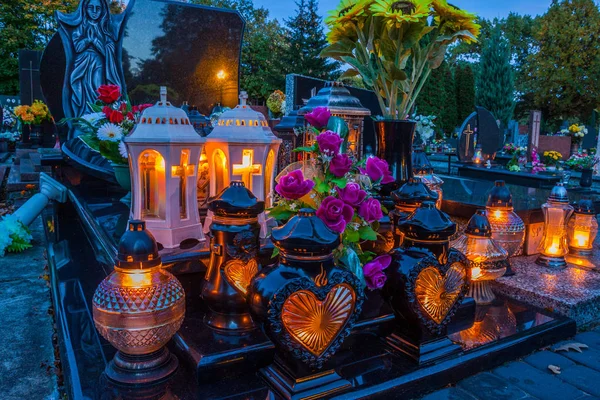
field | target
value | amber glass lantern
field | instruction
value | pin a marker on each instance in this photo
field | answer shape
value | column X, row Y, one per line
column 138, row 308
column 478, row 156
column 487, row 258
column 424, row 170
column 508, row 229
column 582, row 229
column 554, row 245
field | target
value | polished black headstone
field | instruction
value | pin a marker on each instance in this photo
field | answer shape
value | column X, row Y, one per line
column 489, row 136
column 29, row 76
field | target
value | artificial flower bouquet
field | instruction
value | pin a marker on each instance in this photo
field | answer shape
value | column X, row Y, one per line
column 112, row 119
column 276, row 103
column 9, row 119
column 582, row 161
column 342, row 190
column 577, row 132
column 15, row 237
column 425, row 127
column 34, row 114
column 536, row 164
column 551, row 158
column 394, row 45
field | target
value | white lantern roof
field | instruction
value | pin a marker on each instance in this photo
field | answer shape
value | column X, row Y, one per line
column 242, row 125
column 164, row 123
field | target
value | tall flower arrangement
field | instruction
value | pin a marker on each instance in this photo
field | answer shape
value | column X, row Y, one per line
column 276, row 103
column 395, row 44
column 113, row 118
column 34, row 114
column 342, row 190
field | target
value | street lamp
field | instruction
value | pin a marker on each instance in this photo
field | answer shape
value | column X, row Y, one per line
column 221, row 75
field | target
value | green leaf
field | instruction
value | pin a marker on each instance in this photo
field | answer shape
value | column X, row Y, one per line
column 352, row 263
column 275, row 252
column 338, row 125
column 281, row 212
column 350, row 235
column 306, row 149
column 367, row 233
column 349, row 73
column 340, row 182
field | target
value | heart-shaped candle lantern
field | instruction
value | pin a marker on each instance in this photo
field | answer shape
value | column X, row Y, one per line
column 234, row 246
column 426, row 286
column 307, row 305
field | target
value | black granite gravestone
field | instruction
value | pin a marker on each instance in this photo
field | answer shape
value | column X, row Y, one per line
column 29, row 76
column 489, row 136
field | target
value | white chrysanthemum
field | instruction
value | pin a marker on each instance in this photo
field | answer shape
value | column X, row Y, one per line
column 5, row 239
column 111, row 132
column 122, row 149
column 94, row 117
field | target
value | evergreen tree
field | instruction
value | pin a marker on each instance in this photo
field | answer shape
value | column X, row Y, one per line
column 495, row 85
column 305, row 40
column 465, row 91
column 438, row 97
column 450, row 110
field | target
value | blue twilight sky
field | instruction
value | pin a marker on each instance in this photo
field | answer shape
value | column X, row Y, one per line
column 281, row 9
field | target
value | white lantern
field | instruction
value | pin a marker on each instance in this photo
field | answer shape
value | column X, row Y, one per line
column 164, row 150
column 242, row 147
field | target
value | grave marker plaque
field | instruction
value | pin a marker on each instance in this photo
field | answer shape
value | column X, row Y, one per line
column 489, row 136
column 535, row 120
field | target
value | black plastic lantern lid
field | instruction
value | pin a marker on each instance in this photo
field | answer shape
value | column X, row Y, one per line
column 305, row 235
column 137, row 248
column 420, row 163
column 479, row 225
column 428, row 223
column 559, row 194
column 290, row 122
column 236, row 201
column 585, row 206
column 413, row 192
column 337, row 99
column 499, row 196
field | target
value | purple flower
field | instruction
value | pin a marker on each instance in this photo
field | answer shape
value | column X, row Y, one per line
column 377, row 169
column 335, row 213
column 293, row 185
column 329, row 143
column 352, row 194
column 340, row 165
column 370, row 210
column 318, row 117
column 373, row 271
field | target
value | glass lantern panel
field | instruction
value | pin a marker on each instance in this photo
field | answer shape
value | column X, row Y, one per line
column 269, row 178
column 152, row 171
column 220, row 171
column 247, row 169
column 203, row 177
column 182, row 171
column 582, row 231
column 554, row 242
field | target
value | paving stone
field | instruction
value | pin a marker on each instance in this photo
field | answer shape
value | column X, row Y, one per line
column 589, row 357
column 583, row 378
column 449, row 394
column 591, row 338
column 537, row 383
column 27, row 171
column 486, row 386
column 35, row 157
column 14, row 183
column 542, row 359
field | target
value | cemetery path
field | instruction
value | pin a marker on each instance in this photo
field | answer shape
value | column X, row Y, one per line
column 27, row 364
column 576, row 376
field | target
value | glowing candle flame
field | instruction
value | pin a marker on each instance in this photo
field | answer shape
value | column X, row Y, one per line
column 476, row 273
column 581, row 239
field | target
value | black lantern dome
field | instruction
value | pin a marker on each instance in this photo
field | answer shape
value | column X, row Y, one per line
column 290, row 122
column 413, row 192
column 236, row 201
column 585, row 206
column 479, row 225
column 500, row 196
column 558, row 194
column 337, row 99
column 420, row 163
column 305, row 235
column 428, row 223
column 137, row 248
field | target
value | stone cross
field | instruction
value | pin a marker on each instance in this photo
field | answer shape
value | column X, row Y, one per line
column 31, row 71
column 246, row 169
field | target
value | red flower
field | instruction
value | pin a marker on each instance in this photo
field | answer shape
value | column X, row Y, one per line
column 141, row 107
column 130, row 116
column 123, row 107
column 116, row 117
column 109, row 93
column 107, row 111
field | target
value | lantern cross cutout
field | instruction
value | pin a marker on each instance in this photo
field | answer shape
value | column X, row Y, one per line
column 183, row 170
column 246, row 169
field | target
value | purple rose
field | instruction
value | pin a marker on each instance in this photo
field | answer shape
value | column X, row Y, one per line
column 370, row 210
column 293, row 185
column 352, row 194
column 373, row 271
column 329, row 143
column 335, row 213
column 377, row 169
column 318, row 117
column 340, row 165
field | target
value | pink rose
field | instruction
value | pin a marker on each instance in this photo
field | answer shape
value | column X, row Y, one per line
column 373, row 271
column 370, row 210
column 340, row 165
column 377, row 169
column 352, row 194
column 329, row 143
column 335, row 213
column 293, row 185
column 318, row 117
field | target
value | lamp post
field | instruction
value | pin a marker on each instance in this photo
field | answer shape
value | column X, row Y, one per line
column 221, row 75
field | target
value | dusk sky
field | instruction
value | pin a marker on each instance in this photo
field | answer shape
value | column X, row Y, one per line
column 281, row 9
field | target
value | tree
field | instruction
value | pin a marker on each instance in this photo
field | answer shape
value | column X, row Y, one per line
column 465, row 90
column 25, row 25
column 564, row 69
column 305, row 40
column 262, row 48
column 495, row 85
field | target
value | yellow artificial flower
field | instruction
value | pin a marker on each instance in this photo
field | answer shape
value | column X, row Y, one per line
column 452, row 27
column 37, row 109
column 453, row 20
column 448, row 12
column 342, row 31
column 347, row 11
column 397, row 12
column 27, row 117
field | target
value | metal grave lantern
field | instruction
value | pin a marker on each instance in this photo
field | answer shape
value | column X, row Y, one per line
column 341, row 104
column 164, row 150
column 138, row 308
column 423, row 169
column 554, row 245
column 286, row 130
column 582, row 229
column 427, row 283
column 242, row 147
